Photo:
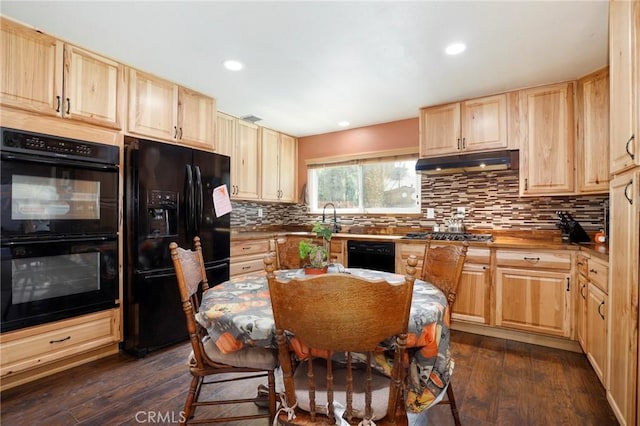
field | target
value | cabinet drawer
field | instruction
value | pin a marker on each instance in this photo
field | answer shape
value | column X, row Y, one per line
column 243, row 248
column 36, row 346
column 253, row 265
column 599, row 274
column 537, row 259
column 582, row 265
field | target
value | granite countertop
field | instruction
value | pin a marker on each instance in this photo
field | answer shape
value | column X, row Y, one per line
column 523, row 239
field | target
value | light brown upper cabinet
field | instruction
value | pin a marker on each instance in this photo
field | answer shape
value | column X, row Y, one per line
column 245, row 162
column 593, row 133
column 624, row 63
column 278, row 159
column 47, row 76
column 225, row 133
column 547, row 140
column 163, row 110
column 473, row 125
column 239, row 140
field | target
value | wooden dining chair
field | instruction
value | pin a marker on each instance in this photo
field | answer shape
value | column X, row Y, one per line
column 346, row 316
column 442, row 267
column 286, row 251
column 206, row 360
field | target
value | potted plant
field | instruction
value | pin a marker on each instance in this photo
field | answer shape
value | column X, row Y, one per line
column 314, row 255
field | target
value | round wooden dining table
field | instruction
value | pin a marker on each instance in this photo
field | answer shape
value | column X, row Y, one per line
column 237, row 313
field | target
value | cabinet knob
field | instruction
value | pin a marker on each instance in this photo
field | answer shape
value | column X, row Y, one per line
column 58, row 104
column 593, row 271
column 600, row 306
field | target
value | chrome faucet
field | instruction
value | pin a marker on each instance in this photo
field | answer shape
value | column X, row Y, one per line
column 336, row 227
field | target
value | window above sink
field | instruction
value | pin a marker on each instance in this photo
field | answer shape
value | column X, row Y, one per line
column 372, row 185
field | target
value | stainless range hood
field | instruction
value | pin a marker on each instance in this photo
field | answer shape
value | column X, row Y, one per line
column 474, row 162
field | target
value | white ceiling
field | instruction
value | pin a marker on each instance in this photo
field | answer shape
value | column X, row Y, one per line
column 311, row 64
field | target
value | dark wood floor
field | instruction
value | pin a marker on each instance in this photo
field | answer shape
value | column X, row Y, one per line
column 496, row 382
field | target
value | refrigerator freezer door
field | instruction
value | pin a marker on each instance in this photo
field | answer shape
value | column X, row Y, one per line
column 158, row 212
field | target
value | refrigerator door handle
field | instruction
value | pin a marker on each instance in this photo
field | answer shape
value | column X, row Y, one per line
column 188, row 191
column 198, row 200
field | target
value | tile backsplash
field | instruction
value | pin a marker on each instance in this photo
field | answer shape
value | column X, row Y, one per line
column 490, row 200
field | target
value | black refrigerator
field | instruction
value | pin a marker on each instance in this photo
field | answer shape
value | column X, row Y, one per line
column 168, row 197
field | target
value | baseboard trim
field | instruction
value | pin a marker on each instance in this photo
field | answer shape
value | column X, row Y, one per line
column 518, row 336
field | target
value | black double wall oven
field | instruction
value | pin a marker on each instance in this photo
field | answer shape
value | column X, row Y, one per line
column 59, row 239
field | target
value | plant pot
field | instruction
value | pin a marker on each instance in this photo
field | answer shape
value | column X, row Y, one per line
column 311, row 270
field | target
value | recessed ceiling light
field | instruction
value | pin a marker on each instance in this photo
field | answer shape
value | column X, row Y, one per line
column 455, row 48
column 343, row 123
column 233, row 65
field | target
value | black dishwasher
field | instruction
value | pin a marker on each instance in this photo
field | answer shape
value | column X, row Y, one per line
column 377, row 255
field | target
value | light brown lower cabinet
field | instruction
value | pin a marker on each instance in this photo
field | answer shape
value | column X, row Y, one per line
column 533, row 291
column 337, row 251
column 596, row 339
column 247, row 255
column 532, row 300
column 472, row 300
column 581, row 311
column 34, row 352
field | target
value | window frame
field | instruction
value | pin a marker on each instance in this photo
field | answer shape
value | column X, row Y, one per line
column 361, row 161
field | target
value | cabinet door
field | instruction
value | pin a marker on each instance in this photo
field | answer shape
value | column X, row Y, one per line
column 245, row 170
column 593, row 133
column 533, row 300
column 153, row 110
column 31, row 65
column 472, row 299
column 484, row 123
column 581, row 312
column 225, row 134
column 624, row 143
column 403, row 251
column 597, row 331
column 288, row 170
column 91, row 87
column 547, row 152
column 440, row 130
column 196, row 119
column 270, row 161
column 336, row 251
column 622, row 342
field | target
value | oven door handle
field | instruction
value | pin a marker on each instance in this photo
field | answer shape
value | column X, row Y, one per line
column 59, row 162
column 58, row 240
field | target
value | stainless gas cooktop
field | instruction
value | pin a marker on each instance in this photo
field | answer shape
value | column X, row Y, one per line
column 448, row 236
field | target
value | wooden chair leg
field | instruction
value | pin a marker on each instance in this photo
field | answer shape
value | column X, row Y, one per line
column 452, row 404
column 271, row 383
column 192, row 397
